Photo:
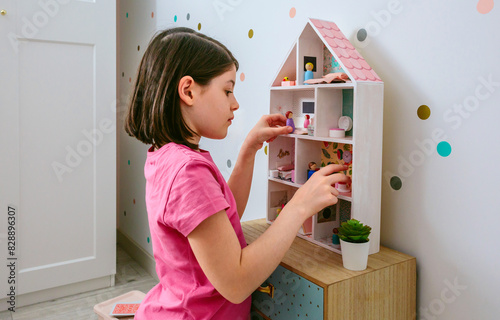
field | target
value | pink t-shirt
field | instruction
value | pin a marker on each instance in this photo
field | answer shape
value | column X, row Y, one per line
column 183, row 188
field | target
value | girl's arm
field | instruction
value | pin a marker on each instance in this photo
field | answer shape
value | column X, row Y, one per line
column 266, row 129
column 236, row 272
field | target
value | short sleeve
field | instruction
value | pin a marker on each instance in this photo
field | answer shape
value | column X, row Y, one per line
column 195, row 195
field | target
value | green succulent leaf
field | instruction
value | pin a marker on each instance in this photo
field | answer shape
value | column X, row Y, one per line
column 354, row 231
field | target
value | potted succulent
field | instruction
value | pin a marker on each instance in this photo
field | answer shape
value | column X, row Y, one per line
column 354, row 244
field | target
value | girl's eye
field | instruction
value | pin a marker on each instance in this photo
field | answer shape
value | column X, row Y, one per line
column 228, row 92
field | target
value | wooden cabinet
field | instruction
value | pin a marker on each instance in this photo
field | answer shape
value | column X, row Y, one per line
column 311, row 283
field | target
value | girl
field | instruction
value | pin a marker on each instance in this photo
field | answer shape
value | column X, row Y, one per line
column 184, row 91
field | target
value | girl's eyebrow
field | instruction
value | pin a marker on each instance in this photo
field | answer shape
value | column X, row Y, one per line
column 232, row 81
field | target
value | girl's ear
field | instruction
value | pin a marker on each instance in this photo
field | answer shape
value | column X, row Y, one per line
column 186, row 88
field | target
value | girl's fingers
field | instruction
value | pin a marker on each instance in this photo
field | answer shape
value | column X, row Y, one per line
column 276, row 120
column 331, row 168
column 334, row 191
column 339, row 177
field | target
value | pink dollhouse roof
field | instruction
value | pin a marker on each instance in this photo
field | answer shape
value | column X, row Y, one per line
column 348, row 57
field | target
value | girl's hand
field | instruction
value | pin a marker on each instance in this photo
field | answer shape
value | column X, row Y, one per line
column 318, row 192
column 266, row 130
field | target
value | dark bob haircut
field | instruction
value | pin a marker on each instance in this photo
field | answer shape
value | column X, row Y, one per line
column 154, row 114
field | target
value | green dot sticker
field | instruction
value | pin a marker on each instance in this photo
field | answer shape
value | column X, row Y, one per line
column 126, row 15
column 175, row 18
column 444, row 149
column 424, row 112
column 129, row 162
column 396, row 183
column 147, row 239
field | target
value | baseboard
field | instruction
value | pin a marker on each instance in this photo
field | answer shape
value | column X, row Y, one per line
column 27, row 299
column 143, row 258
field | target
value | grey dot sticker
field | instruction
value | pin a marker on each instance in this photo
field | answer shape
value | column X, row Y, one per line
column 229, row 163
column 362, row 34
column 396, row 183
column 188, row 16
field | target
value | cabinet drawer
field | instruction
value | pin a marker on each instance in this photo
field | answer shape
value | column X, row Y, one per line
column 294, row 297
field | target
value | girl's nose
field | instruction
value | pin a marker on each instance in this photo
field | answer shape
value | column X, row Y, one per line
column 235, row 105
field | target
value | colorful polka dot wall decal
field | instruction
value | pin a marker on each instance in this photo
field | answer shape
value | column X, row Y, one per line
column 250, row 33
column 152, row 14
column 292, row 12
column 147, row 239
column 126, row 15
column 130, row 80
column 133, row 201
column 129, row 162
column 444, row 149
column 424, row 112
column 228, row 163
column 175, row 18
column 362, row 34
column 188, row 16
column 199, row 26
column 242, row 76
column 265, row 150
column 138, row 48
column 396, row 183
column 485, row 6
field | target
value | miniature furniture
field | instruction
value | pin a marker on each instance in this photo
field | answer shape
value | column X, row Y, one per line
column 359, row 99
column 311, row 283
column 103, row 309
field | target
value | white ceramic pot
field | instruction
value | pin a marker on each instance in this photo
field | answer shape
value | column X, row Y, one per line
column 354, row 255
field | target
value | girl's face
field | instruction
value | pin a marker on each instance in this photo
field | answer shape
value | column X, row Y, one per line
column 213, row 107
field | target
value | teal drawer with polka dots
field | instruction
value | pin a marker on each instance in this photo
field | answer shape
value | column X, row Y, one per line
column 294, row 297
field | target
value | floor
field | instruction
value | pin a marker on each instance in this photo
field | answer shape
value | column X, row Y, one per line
column 129, row 276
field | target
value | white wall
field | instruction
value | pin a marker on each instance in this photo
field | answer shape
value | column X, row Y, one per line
column 435, row 53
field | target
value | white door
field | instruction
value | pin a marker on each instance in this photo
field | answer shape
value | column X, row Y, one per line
column 57, row 141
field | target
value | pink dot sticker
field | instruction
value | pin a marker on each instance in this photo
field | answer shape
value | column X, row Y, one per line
column 292, row 12
column 242, row 76
column 485, row 6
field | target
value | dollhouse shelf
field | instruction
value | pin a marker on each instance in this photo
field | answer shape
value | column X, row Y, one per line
column 343, row 196
column 347, row 140
column 347, row 85
column 361, row 99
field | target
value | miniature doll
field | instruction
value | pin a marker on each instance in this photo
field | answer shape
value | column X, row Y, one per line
column 308, row 75
column 307, row 122
column 289, row 120
column 312, row 169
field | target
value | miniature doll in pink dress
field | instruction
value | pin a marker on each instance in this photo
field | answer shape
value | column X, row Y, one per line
column 289, row 120
column 307, row 122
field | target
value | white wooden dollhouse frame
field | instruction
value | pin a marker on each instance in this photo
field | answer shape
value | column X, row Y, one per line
column 361, row 98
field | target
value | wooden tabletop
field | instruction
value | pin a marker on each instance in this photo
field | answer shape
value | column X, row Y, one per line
column 318, row 264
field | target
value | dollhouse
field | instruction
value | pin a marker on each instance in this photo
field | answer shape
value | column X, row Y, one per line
column 342, row 102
